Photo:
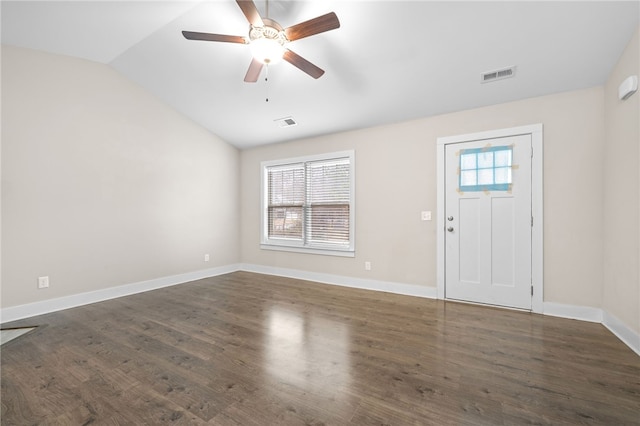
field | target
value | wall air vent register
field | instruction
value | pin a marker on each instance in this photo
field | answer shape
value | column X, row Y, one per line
column 501, row 74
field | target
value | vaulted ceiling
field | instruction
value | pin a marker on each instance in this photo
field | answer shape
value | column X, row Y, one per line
column 389, row 61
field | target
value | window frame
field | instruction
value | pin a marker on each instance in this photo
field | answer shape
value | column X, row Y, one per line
column 306, row 246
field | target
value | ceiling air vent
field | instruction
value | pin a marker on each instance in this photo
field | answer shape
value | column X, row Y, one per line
column 496, row 75
column 286, row 122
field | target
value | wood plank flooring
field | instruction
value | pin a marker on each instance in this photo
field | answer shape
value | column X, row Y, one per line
column 250, row 349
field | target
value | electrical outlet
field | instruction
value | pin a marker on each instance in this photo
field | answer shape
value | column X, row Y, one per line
column 367, row 266
column 43, row 282
column 206, row 257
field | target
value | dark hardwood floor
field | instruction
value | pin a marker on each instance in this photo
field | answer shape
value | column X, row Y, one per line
column 250, row 349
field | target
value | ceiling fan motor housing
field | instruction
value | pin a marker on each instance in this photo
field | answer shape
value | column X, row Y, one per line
column 271, row 30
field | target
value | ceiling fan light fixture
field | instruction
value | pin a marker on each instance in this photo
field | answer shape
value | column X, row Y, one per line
column 267, row 42
column 267, row 50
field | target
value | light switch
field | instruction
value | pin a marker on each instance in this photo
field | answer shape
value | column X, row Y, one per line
column 426, row 215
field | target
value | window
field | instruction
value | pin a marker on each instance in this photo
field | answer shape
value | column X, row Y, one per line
column 486, row 169
column 307, row 204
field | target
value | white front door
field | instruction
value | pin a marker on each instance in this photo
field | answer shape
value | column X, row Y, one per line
column 488, row 221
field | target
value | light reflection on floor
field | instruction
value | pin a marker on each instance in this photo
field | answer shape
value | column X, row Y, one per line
column 302, row 347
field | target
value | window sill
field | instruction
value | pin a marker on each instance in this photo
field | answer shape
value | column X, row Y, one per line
column 306, row 250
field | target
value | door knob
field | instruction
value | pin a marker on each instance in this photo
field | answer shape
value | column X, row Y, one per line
column 450, row 229
column 450, row 218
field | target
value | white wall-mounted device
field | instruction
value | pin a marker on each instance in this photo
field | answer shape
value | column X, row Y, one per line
column 628, row 87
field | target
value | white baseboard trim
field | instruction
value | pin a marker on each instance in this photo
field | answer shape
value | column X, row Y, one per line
column 582, row 313
column 14, row 313
column 622, row 331
column 340, row 280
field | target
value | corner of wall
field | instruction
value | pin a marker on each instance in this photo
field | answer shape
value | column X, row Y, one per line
column 621, row 158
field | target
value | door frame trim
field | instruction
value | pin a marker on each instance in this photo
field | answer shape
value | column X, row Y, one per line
column 537, row 231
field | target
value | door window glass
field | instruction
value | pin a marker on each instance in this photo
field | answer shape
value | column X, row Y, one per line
column 486, row 169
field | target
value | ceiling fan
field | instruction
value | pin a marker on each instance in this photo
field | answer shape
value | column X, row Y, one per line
column 267, row 39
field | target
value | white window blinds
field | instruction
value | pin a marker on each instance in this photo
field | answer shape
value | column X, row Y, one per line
column 286, row 201
column 309, row 203
column 328, row 199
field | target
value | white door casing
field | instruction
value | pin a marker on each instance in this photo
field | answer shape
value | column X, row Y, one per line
column 490, row 240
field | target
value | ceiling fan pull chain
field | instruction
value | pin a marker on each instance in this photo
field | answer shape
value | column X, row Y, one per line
column 266, row 81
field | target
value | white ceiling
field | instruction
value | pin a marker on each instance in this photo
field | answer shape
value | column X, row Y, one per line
column 389, row 61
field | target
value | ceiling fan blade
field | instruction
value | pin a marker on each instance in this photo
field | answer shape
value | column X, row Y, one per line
column 253, row 73
column 301, row 63
column 313, row 26
column 191, row 35
column 251, row 12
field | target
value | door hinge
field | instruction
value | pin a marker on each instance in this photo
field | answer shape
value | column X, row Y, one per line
column 532, row 290
column 531, row 152
column 532, row 221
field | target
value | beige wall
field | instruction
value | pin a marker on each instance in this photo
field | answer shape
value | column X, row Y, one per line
column 621, row 290
column 396, row 179
column 104, row 185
